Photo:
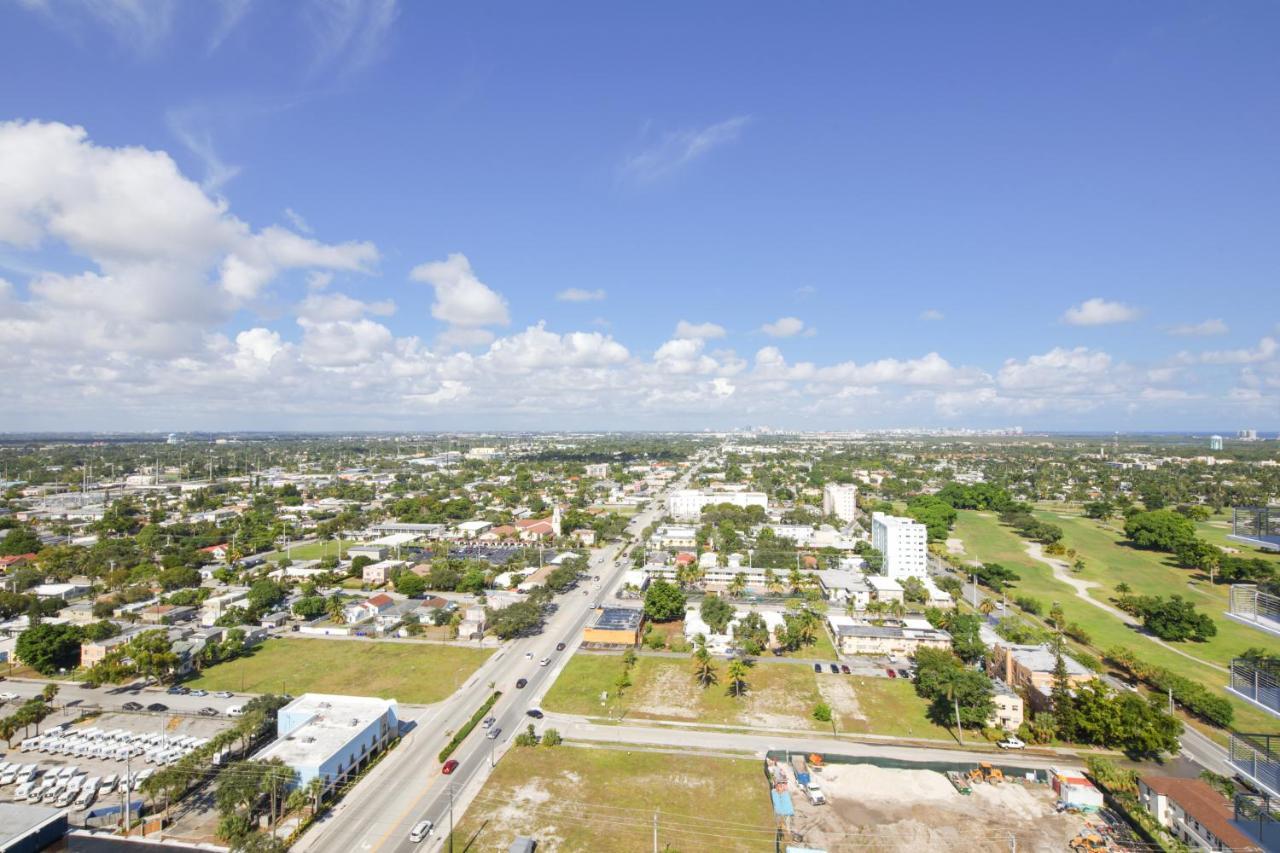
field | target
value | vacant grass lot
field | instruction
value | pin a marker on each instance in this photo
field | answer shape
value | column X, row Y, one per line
column 407, row 672
column 311, row 551
column 603, row 800
column 1108, row 562
column 779, row 696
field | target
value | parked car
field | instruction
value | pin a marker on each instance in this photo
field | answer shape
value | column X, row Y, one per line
column 208, row 712
column 536, row 713
column 199, row 692
column 835, row 669
column 235, row 711
column 1011, row 742
column 157, row 707
column 817, row 667
column 521, row 682
column 449, row 766
column 132, row 706
column 891, row 673
column 177, row 690
column 224, row 694
column 902, row 673
column 559, row 647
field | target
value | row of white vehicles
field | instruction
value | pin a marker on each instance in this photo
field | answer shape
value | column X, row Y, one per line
column 67, row 785
column 116, row 745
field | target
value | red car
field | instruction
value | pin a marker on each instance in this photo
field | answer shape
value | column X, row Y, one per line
column 449, row 766
column 892, row 674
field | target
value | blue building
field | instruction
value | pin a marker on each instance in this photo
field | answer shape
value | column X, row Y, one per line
column 332, row 737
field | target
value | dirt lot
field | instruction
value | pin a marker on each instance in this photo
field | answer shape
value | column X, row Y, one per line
column 872, row 808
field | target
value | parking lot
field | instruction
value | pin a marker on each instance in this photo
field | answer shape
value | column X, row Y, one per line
column 79, row 765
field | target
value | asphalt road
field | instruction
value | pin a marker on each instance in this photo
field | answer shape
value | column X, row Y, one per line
column 408, row 786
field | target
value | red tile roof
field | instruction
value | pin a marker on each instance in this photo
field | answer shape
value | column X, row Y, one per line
column 1203, row 803
column 381, row 600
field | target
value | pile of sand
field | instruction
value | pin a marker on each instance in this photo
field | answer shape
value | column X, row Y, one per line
column 868, row 783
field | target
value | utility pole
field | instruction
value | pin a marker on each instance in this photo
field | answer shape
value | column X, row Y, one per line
column 959, row 728
column 973, row 579
column 450, row 817
column 124, row 790
column 655, row 832
column 1170, row 701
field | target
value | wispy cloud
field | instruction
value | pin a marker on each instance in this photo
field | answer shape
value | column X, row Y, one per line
column 350, row 34
column 231, row 13
column 577, row 294
column 1200, row 330
column 931, row 314
column 139, row 25
column 787, row 327
column 1099, row 312
column 677, row 149
column 295, row 218
column 187, row 126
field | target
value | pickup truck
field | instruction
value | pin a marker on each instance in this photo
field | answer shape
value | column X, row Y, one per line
column 814, row 794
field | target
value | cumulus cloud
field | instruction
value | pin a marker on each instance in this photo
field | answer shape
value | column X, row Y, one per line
column 1062, row 370
column 1099, row 312
column 461, row 298
column 577, row 294
column 703, row 331
column 786, row 327
column 1264, row 351
column 1204, row 329
column 676, row 150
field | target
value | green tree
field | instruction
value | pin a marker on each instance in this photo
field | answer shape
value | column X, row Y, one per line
column 737, row 677
column 704, row 668
column 717, row 613
column 46, row 647
column 664, row 602
column 1159, row 530
column 822, row 712
column 20, row 540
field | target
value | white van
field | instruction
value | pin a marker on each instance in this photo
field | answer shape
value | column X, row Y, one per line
column 109, row 784
column 23, row 791
column 88, row 794
column 235, row 711
column 420, row 830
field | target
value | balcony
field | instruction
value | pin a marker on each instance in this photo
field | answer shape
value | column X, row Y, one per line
column 1257, row 758
column 1258, row 681
column 1258, row 526
column 1254, row 608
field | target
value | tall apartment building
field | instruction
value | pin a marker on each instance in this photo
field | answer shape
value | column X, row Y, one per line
column 904, row 543
column 840, row 500
column 687, row 504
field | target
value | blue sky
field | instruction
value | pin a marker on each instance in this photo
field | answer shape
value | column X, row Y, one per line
column 357, row 213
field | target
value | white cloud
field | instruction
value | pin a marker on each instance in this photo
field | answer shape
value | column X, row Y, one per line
column 461, row 298
column 137, row 24
column 577, row 294
column 677, row 149
column 684, row 355
column 786, row 327
column 1264, row 351
column 327, row 307
column 1063, row 371
column 231, row 13
column 1203, row 329
column 349, row 35
column 931, row 314
column 703, row 331
column 296, row 220
column 1099, row 312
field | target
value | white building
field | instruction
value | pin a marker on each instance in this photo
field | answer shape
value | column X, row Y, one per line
column 675, row 536
column 687, row 504
column 904, row 543
column 840, row 500
column 331, row 737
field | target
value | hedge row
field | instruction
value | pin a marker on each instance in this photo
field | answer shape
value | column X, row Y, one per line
column 1191, row 695
column 462, row 733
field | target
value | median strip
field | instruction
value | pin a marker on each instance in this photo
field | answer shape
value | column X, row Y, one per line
column 462, row 733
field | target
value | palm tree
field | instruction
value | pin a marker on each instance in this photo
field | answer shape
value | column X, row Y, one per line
column 704, row 668
column 771, row 582
column 334, row 608
column 986, row 607
column 737, row 677
column 795, row 580
column 738, row 585
column 950, row 688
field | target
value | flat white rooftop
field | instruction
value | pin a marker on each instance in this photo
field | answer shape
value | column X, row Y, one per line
column 317, row 725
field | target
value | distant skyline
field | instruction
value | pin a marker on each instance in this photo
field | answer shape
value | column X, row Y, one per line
column 376, row 215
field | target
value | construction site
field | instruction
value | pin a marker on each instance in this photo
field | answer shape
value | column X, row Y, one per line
column 832, row 804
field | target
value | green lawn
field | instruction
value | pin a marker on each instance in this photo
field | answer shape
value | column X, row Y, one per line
column 781, row 696
column 1109, row 563
column 408, row 672
column 603, row 800
column 312, row 551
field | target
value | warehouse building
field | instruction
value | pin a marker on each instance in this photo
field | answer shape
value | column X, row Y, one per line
column 332, row 737
column 614, row 626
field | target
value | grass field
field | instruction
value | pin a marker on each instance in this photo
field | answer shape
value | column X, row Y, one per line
column 407, row 672
column 604, row 800
column 311, row 551
column 1108, row 562
column 780, row 696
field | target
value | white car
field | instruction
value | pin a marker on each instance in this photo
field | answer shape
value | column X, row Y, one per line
column 544, row 661
column 8, row 696
column 420, row 831
column 1011, row 742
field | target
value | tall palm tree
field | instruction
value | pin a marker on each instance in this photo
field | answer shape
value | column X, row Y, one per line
column 795, row 580
column 737, row 677
column 704, row 668
column 738, row 585
column 771, row 581
column 334, row 608
column 950, row 689
column 986, row 607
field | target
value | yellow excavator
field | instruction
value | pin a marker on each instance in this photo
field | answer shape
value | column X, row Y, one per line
column 1088, row 843
column 984, row 772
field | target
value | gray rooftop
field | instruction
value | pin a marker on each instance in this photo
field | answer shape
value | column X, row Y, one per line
column 617, row 619
column 17, row 820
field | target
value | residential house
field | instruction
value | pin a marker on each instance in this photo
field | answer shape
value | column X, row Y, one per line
column 889, row 637
column 368, row 609
column 1193, row 812
column 1030, row 668
column 1008, row 713
column 378, row 573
